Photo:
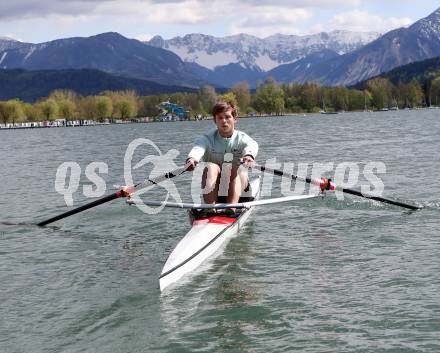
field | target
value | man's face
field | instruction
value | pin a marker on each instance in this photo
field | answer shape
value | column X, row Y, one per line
column 225, row 123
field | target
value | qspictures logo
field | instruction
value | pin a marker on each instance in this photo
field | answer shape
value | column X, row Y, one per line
column 345, row 175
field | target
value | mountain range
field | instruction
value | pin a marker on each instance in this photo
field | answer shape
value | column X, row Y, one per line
column 9, row 43
column 399, row 47
column 421, row 71
column 334, row 58
column 256, row 53
column 108, row 52
column 29, row 86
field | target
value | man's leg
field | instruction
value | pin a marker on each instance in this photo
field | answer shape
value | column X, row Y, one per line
column 238, row 182
column 210, row 182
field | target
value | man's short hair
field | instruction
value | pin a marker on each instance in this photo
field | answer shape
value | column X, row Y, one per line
column 221, row 107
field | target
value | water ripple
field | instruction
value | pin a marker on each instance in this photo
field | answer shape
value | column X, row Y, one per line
column 323, row 275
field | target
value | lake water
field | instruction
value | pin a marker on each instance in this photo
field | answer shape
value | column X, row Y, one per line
column 318, row 276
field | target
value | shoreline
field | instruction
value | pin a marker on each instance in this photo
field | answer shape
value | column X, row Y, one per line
column 59, row 123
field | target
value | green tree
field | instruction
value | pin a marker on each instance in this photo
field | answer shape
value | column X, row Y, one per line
column 356, row 100
column 338, row 98
column 66, row 109
column 4, row 118
column 434, row 91
column 125, row 109
column 243, row 96
column 125, row 104
column 149, row 106
column 178, row 98
column 49, row 109
column 193, row 103
column 86, row 108
column 103, row 108
column 32, row 112
column 381, row 92
column 230, row 98
column 410, row 94
column 368, row 100
column 63, row 94
column 292, row 97
column 312, row 97
column 208, row 98
column 269, row 98
column 12, row 112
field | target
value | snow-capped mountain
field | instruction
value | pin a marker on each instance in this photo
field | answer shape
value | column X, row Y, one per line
column 259, row 54
column 335, row 58
column 290, row 72
column 428, row 28
column 402, row 46
column 108, row 52
column 9, row 43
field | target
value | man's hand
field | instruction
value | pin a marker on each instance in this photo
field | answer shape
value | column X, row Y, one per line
column 191, row 163
column 248, row 161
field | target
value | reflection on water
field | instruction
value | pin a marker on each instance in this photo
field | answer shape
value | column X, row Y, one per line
column 227, row 279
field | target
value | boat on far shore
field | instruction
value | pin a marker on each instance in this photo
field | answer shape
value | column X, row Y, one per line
column 326, row 112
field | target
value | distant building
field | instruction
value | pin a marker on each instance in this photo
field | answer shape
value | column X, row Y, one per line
column 171, row 111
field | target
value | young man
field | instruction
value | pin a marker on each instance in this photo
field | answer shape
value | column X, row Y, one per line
column 224, row 147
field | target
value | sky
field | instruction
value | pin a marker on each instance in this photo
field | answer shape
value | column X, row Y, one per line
column 37, row 21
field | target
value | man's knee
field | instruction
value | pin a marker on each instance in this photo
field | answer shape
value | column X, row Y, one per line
column 211, row 174
column 243, row 175
column 211, row 170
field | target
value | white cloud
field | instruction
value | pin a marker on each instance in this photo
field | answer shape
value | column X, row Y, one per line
column 144, row 37
column 237, row 16
column 184, row 12
column 13, row 36
column 300, row 3
column 160, row 9
column 68, row 20
column 261, row 18
column 265, row 21
column 362, row 21
column 12, row 10
column 395, row 22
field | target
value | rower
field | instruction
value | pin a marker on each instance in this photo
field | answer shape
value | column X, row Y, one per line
column 227, row 153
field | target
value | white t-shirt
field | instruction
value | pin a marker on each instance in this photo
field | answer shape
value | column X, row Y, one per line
column 212, row 147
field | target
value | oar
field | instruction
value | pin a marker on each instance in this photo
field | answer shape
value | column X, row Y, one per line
column 121, row 193
column 326, row 184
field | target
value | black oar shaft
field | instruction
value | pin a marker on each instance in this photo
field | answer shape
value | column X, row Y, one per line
column 345, row 190
column 80, row 209
column 120, row 193
column 380, row 199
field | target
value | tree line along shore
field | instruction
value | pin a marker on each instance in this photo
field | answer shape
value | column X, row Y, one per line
column 270, row 98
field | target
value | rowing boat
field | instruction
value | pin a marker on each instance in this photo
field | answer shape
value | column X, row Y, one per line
column 209, row 234
column 206, row 238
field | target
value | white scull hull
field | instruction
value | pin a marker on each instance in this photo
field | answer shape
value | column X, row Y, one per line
column 203, row 242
